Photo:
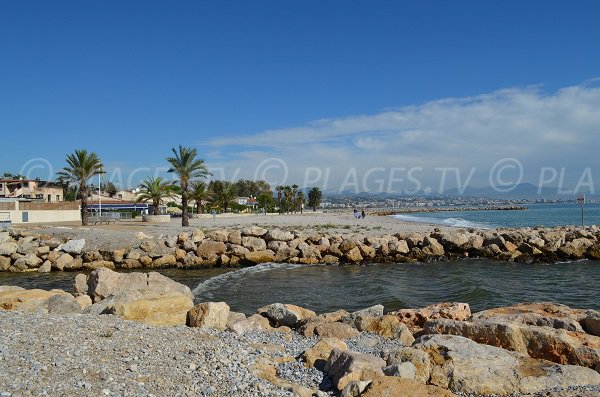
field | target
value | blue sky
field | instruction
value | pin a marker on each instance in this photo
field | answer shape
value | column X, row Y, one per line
column 333, row 85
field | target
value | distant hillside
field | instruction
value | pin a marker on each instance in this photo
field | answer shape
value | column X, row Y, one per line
column 526, row 191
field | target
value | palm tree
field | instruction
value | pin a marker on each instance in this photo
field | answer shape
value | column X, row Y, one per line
column 155, row 190
column 81, row 166
column 279, row 196
column 187, row 167
column 199, row 192
column 314, row 198
column 300, row 200
column 223, row 193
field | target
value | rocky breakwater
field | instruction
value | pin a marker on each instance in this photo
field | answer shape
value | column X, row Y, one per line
column 23, row 251
column 533, row 349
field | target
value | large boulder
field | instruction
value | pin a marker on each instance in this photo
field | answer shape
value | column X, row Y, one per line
column 416, row 318
column 317, row 355
column 542, row 314
column 209, row 314
column 208, row 249
column 8, row 248
column 17, row 298
column 73, row 247
column 254, row 243
column 557, row 345
column 390, row 386
column 254, row 231
column 418, row 358
column 104, row 282
column 286, row 315
column 279, row 235
column 346, row 366
column 388, row 326
column 465, row 366
column 263, row 256
column 326, row 329
column 166, row 310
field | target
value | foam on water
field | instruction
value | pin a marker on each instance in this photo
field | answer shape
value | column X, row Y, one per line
column 215, row 283
column 452, row 222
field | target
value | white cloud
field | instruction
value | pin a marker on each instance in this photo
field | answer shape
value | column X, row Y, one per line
column 559, row 129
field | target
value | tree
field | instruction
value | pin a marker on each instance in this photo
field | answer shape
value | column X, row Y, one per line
column 199, row 192
column 81, row 166
column 299, row 201
column 266, row 201
column 280, row 190
column 110, row 188
column 8, row 175
column 187, row 167
column 223, row 192
column 155, row 190
column 314, row 198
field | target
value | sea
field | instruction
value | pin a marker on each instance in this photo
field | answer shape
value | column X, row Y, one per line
column 535, row 215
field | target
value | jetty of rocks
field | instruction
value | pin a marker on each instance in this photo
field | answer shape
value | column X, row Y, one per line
column 22, row 251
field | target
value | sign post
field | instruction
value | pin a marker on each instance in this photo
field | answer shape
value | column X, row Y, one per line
column 581, row 202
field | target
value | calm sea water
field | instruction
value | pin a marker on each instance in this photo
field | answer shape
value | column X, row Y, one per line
column 535, row 215
column 481, row 283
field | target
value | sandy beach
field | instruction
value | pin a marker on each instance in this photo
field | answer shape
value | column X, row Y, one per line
column 123, row 233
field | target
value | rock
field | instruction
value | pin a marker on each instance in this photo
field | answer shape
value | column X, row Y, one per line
column 254, row 243
column 387, row 326
column 62, row 304
column 218, row 235
column 98, row 265
column 592, row 322
column 29, row 260
column 4, row 263
column 372, row 311
column 463, row 366
column 83, row 301
column 557, row 345
column 452, row 240
column 165, row 310
column 327, row 329
column 252, row 323
column 142, row 236
column 208, row 314
column 398, row 387
column 286, row 315
column 432, row 247
column 46, row 267
column 418, row 358
column 398, row 247
column 254, row 231
column 166, row 260
column 330, row 259
column 279, row 235
column 260, row 256
column 406, row 370
column 234, row 317
column 337, row 315
column 8, row 248
column 4, row 237
column 345, row 366
column 416, row 318
column 542, row 314
column 81, row 287
column 207, row 249
column 317, row 355
column 197, row 235
column 43, row 250
column 26, row 300
column 353, row 255
column 63, row 261
column 104, row 282
column 355, row 388
column 73, row 246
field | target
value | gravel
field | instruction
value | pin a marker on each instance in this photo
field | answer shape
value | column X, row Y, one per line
column 87, row 355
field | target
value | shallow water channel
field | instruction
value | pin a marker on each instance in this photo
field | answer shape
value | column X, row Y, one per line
column 481, row 283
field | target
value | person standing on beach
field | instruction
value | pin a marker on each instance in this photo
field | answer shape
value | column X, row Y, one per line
column 356, row 213
column 362, row 214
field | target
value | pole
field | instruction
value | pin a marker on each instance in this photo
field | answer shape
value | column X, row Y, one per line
column 582, row 224
column 100, row 194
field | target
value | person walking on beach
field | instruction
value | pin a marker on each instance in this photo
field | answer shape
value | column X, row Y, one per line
column 362, row 214
column 356, row 216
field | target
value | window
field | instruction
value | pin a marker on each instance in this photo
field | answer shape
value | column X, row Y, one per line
column 57, row 197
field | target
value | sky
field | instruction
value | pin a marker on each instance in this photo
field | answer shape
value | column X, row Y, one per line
column 345, row 95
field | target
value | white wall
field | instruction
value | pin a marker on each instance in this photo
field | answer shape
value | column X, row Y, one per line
column 45, row 216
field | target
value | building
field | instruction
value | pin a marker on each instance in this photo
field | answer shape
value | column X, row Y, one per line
column 33, row 189
column 16, row 211
column 248, row 201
